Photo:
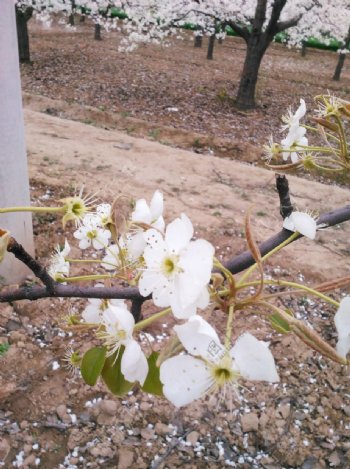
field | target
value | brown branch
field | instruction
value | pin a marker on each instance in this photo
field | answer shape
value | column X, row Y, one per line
column 282, row 186
column 38, row 270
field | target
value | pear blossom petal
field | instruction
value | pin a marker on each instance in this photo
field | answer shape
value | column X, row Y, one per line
column 179, row 233
column 117, row 318
column 342, row 324
column 253, row 359
column 111, row 260
column 302, row 222
column 195, row 335
column 134, row 365
column 184, row 379
column 92, row 314
column 141, row 213
column 157, row 205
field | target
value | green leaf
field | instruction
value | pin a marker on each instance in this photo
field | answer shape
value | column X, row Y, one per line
column 92, row 364
column 279, row 324
column 153, row 384
column 112, row 375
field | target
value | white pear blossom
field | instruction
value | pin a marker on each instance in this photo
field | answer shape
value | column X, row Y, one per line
column 342, row 324
column 119, row 325
column 291, row 119
column 148, row 215
column 209, row 366
column 59, row 267
column 103, row 212
column 302, row 222
column 178, row 270
column 93, row 313
column 295, row 138
column 111, row 260
column 91, row 233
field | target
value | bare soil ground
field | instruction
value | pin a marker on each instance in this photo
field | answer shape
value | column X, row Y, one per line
column 49, row 419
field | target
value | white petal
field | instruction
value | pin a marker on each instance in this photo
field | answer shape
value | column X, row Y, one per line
column 253, row 359
column 156, row 206
column 92, row 313
column 119, row 318
column 136, row 245
column 134, row 364
column 342, row 318
column 196, row 335
column 149, row 281
column 178, row 234
column 342, row 324
column 159, row 224
column 141, row 213
column 185, row 379
column 301, row 110
column 66, row 250
column 301, row 222
column 84, row 243
column 197, row 259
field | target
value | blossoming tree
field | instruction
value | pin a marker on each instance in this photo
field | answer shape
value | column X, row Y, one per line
column 130, row 244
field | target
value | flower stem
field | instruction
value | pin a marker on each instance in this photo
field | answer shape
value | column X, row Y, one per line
column 146, row 322
column 86, row 277
column 285, row 283
column 31, row 209
column 270, row 253
column 229, row 324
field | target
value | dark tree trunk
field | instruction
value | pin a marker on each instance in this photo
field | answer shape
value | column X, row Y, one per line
column 220, row 40
column 82, row 19
column 71, row 16
column 339, row 67
column 341, row 60
column 246, row 91
column 98, row 36
column 303, row 49
column 210, row 53
column 198, row 41
column 22, row 18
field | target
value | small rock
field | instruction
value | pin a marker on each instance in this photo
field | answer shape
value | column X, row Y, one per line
column 16, row 336
column 147, row 433
column 125, row 458
column 161, row 428
column 108, row 407
column 4, row 449
column 249, row 422
column 284, row 410
column 346, row 410
column 144, row 406
column 263, row 420
column 193, row 437
column 334, row 459
column 29, row 461
column 62, row 413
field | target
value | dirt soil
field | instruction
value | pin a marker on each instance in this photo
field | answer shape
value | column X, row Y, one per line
column 49, row 419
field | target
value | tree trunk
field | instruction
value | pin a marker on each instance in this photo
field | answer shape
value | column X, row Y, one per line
column 98, row 36
column 22, row 18
column 71, row 19
column 339, row 67
column 210, row 53
column 341, row 59
column 303, row 49
column 254, row 54
column 198, row 41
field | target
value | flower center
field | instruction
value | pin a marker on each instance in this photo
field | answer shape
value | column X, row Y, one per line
column 223, row 372
column 169, row 266
column 92, row 234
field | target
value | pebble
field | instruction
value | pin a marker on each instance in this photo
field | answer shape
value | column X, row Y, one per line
column 125, row 458
column 162, row 429
column 4, row 449
column 193, row 437
column 249, row 422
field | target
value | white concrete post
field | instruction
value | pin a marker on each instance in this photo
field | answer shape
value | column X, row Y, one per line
column 14, row 183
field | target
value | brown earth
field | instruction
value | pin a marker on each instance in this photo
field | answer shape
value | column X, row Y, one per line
column 304, row 422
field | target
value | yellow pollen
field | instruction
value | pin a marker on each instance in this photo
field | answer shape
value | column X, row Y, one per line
column 169, row 266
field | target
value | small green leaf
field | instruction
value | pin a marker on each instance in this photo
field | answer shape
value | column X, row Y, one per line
column 92, row 364
column 153, row 384
column 112, row 375
column 279, row 324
